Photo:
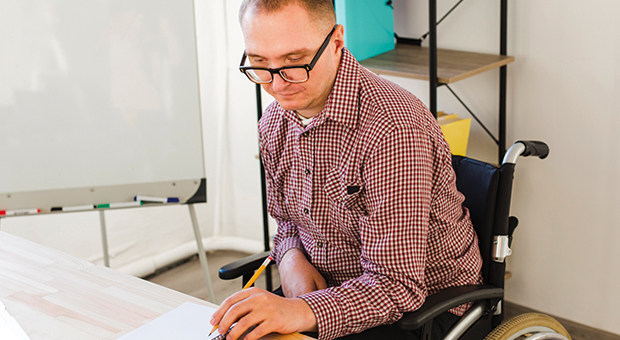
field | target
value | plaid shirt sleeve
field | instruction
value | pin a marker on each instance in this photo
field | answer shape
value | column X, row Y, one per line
column 393, row 238
column 286, row 238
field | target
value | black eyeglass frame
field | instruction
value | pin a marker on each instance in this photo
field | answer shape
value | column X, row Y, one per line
column 307, row 67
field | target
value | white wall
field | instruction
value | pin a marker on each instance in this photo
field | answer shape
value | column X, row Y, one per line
column 562, row 89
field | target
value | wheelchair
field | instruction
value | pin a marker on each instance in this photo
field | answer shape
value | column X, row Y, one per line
column 487, row 191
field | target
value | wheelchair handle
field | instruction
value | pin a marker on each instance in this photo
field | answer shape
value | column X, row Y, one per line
column 526, row 148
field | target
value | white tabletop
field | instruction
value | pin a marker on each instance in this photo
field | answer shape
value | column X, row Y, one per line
column 53, row 295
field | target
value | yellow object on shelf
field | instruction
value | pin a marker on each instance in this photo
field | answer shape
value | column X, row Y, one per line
column 456, row 132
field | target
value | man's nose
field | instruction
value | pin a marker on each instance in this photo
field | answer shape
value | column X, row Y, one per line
column 278, row 83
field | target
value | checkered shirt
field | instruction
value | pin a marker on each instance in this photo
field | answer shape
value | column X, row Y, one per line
column 368, row 193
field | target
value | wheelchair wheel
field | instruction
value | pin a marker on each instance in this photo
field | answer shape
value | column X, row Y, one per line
column 529, row 326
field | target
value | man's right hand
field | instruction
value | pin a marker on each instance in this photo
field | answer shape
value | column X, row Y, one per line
column 297, row 275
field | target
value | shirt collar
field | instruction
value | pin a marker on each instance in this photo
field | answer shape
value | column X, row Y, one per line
column 342, row 103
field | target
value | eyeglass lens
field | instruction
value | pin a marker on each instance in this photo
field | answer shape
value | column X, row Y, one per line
column 294, row 75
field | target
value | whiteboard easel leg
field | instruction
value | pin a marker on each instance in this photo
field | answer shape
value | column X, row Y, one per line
column 104, row 239
column 201, row 253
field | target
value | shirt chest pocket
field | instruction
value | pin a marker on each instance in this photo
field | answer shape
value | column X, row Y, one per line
column 345, row 206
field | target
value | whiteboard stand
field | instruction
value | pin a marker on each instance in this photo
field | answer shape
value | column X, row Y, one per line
column 104, row 238
column 201, row 250
column 201, row 253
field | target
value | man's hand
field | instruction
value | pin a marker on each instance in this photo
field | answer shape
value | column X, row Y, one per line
column 267, row 311
column 297, row 275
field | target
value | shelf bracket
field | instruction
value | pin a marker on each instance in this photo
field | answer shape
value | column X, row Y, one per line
column 442, row 18
column 472, row 114
column 418, row 42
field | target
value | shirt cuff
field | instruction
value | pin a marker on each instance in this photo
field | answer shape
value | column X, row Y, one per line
column 285, row 245
column 328, row 313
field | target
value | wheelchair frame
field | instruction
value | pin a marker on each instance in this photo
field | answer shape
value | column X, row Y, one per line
column 489, row 205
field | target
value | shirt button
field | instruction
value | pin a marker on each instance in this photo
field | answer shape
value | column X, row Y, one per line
column 307, row 172
column 319, row 244
column 306, row 134
column 306, row 211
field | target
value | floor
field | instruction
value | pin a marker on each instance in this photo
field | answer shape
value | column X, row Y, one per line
column 186, row 277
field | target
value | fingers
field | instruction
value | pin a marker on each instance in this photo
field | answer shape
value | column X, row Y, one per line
column 267, row 313
column 246, row 322
column 258, row 332
column 237, row 313
column 247, row 308
column 219, row 313
column 265, row 319
column 232, row 308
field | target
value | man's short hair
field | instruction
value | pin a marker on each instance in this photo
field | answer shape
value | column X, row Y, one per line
column 321, row 11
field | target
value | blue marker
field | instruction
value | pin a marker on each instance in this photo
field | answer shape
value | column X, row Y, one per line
column 150, row 199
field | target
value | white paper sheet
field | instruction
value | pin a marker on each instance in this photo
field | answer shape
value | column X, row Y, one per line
column 189, row 321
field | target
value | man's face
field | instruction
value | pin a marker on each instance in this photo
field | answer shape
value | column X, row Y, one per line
column 289, row 37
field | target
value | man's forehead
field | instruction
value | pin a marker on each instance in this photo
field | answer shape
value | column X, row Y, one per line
column 275, row 51
column 278, row 54
column 273, row 40
column 289, row 29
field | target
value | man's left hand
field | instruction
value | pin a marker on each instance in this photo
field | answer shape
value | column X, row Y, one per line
column 267, row 311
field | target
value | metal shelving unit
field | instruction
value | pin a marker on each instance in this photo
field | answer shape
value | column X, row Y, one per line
column 443, row 67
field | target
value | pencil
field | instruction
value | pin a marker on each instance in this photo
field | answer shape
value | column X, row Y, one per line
column 251, row 282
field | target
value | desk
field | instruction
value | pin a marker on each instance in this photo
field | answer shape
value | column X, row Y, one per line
column 54, row 295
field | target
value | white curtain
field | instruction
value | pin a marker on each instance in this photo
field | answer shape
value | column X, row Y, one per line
column 230, row 129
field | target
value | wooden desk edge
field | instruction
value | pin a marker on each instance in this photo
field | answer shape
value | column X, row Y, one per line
column 29, row 292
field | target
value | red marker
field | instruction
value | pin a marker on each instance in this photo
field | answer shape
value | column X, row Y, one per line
column 19, row 212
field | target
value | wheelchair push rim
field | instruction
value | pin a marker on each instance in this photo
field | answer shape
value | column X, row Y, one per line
column 530, row 326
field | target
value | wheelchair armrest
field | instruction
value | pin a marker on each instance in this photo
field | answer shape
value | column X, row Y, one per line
column 446, row 299
column 246, row 265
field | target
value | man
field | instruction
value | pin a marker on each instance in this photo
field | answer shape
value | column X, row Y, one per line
column 359, row 180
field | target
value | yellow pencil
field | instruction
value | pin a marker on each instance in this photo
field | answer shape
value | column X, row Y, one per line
column 251, row 282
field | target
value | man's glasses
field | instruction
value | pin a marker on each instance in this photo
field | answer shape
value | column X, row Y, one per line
column 292, row 74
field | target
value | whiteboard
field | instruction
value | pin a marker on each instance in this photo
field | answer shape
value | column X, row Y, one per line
column 99, row 102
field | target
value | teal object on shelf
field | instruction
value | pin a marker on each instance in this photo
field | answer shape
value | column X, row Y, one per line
column 368, row 26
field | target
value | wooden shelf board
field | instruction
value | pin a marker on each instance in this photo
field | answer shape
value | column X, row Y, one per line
column 412, row 62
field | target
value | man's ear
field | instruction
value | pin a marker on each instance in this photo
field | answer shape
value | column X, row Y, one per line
column 339, row 37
